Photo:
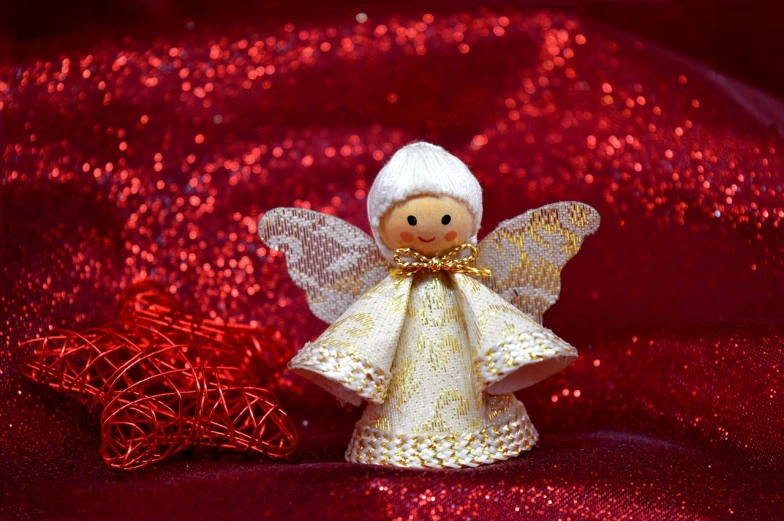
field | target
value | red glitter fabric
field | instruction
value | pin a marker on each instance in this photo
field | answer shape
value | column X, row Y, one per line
column 155, row 158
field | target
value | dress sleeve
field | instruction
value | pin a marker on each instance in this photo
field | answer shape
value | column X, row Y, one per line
column 512, row 350
column 353, row 357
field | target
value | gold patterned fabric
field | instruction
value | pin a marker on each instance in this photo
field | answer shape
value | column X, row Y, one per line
column 512, row 350
column 526, row 253
column 333, row 261
column 353, row 357
column 412, row 349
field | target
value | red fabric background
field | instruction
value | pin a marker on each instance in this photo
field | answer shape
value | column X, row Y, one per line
column 119, row 166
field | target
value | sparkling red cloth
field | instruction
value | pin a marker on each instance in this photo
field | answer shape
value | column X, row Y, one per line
column 155, row 158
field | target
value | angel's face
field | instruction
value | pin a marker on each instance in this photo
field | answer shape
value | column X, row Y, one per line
column 427, row 224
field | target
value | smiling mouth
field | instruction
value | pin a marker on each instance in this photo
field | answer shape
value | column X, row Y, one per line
column 431, row 239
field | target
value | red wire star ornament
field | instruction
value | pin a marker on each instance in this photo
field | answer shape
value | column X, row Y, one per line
column 166, row 381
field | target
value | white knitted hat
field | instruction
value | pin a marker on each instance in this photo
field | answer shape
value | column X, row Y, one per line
column 422, row 169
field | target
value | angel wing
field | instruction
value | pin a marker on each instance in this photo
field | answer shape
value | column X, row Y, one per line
column 526, row 253
column 333, row 261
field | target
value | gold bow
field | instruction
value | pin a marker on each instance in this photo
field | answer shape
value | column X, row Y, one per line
column 447, row 262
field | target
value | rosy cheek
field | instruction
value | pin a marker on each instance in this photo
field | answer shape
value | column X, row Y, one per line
column 407, row 237
column 451, row 236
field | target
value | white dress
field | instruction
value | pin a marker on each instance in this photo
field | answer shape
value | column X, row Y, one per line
column 436, row 356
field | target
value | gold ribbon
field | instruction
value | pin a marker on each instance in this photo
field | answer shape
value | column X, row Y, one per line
column 449, row 261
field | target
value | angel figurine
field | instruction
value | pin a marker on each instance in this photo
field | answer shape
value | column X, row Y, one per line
column 432, row 330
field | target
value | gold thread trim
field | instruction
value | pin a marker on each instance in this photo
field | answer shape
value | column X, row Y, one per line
column 496, row 442
column 346, row 369
column 518, row 350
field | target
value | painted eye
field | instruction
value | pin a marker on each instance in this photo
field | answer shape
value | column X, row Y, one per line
column 412, row 220
column 446, row 219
